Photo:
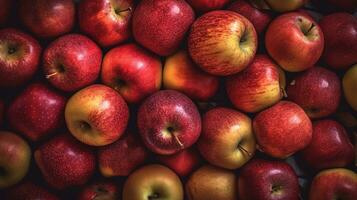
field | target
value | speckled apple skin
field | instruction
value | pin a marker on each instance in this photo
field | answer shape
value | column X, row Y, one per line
column 161, row 25
column 330, row 146
column 139, row 69
column 100, row 190
column 65, row 162
column 98, row 19
column 122, row 157
column 207, row 5
column 338, row 183
column 317, row 91
column 103, row 109
column 257, row 178
column 80, row 58
column 257, row 87
column 37, row 112
column 282, row 129
column 29, row 191
column 47, row 18
column 18, row 68
column 214, row 42
column 168, row 108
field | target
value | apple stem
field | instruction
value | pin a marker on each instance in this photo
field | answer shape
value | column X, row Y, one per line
column 283, row 92
column 125, row 10
column 50, row 75
column 311, row 27
column 244, row 150
column 178, row 141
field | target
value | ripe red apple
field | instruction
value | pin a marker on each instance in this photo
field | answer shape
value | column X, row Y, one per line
column 282, row 129
column 317, row 91
column 100, row 191
column 259, row 18
column 47, row 18
column 37, row 111
column 207, row 5
column 14, row 160
column 340, row 31
column 212, row 183
column 227, row 138
column 5, row 10
column 336, row 183
column 181, row 74
column 107, row 22
column 330, row 146
column 72, row 62
column 263, row 179
column 131, row 70
column 279, row 5
column 19, row 57
column 29, row 191
column 222, row 42
column 122, row 157
column 257, row 87
column 65, row 162
column 97, row 115
column 183, row 162
column 295, row 41
column 153, row 182
column 168, row 122
column 2, row 111
column 161, row 25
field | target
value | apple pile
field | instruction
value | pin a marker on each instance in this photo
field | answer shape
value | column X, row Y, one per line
column 178, row 99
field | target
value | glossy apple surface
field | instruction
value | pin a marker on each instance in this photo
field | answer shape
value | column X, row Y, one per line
column 257, row 87
column 37, row 111
column 317, row 91
column 208, row 39
column 97, row 115
column 15, row 159
column 30, row 191
column 47, row 18
column 282, row 129
column 161, row 25
column 153, row 182
column 181, row 74
column 210, row 182
column 100, row 191
column 106, row 21
column 207, row 5
column 19, row 57
column 295, row 41
column 227, row 138
column 65, row 162
column 168, row 122
column 133, row 71
column 349, row 83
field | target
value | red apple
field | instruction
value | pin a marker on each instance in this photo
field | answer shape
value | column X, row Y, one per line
column 37, row 111
column 257, row 87
column 47, row 18
column 2, row 111
column 207, row 5
column 15, row 159
column 65, row 162
column 168, row 122
column 97, row 115
column 122, row 157
column 183, row 162
column 317, row 91
column 19, row 57
column 72, row 62
column 270, row 180
column 227, row 138
column 131, row 70
column 5, row 10
column 295, row 41
column 29, row 191
column 330, row 146
column 334, row 184
column 107, row 22
column 100, row 191
column 161, row 25
column 279, row 5
column 282, row 129
column 222, row 42
column 181, row 74
column 259, row 18
column 340, row 31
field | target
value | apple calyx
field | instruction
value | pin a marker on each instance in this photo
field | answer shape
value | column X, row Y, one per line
column 276, row 189
column 11, row 50
column 85, row 126
column 153, row 196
